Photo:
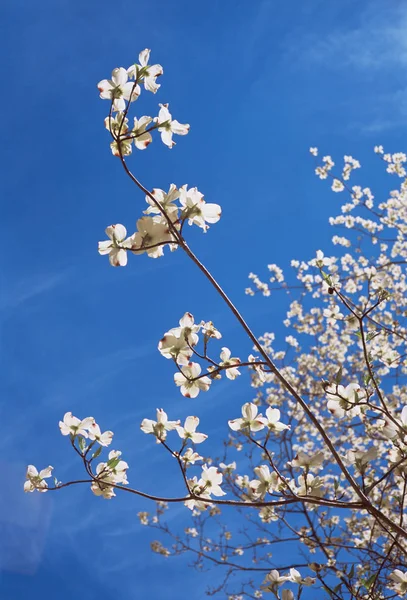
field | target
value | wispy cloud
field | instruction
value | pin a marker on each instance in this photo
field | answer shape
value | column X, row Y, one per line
column 378, row 42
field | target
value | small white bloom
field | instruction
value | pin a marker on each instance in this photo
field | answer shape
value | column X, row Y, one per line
column 251, row 420
column 160, row 427
column 226, row 361
column 196, row 210
column 118, row 89
column 167, row 126
column 35, row 480
column 188, row 432
column 186, row 380
column 145, row 72
column 104, row 439
column 116, row 246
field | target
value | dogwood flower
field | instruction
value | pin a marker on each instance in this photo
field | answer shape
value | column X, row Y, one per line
column 118, row 89
column 160, row 427
column 188, row 432
column 228, row 468
column 190, row 457
column 118, row 127
column 177, row 343
column 390, row 429
column 104, row 439
column 35, row 480
column 116, row 246
column 273, row 580
column 151, row 236
column 400, row 579
column 251, row 420
column 190, row 387
column 273, row 420
column 226, row 361
column 257, row 368
column 209, row 330
column 166, row 199
column 308, row 485
column 142, row 138
column 145, row 72
column 296, row 577
column 267, row 481
column 344, row 400
column 210, row 480
column 196, row 210
column 307, row 461
column 109, row 474
column 167, row 126
column 73, row 426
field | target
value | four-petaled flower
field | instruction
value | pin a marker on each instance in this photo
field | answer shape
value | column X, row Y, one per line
column 151, row 236
column 104, row 439
column 142, row 138
column 116, row 246
column 167, row 126
column 35, row 480
column 196, row 210
column 273, row 420
column 188, row 432
column 210, row 481
column 251, row 420
column 73, row 426
column 166, row 199
column 177, row 343
column 160, row 427
column 145, row 72
column 118, row 89
column 188, row 382
column 231, row 372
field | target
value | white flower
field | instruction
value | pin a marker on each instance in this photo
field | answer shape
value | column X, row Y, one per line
column 267, row 481
column 257, row 368
column 210, row 480
column 332, row 314
column 296, row 577
column 314, row 151
column 188, row 432
column 273, row 420
column 287, row 595
column 104, row 439
column 209, row 330
column 115, row 247
column 273, row 580
column 118, row 89
column 344, row 400
column 167, row 126
column 251, row 420
column 189, row 388
column 190, row 457
column 177, row 343
column 361, row 458
column 35, row 480
column 337, row 186
column 145, row 72
column 400, row 579
column 150, row 237
column 226, row 361
column 166, row 199
column 141, row 138
column 228, row 468
column 320, row 260
column 306, row 461
column 74, row 426
column 310, row 486
column 196, row 210
column 390, row 429
column 108, row 474
column 118, row 127
column 160, row 427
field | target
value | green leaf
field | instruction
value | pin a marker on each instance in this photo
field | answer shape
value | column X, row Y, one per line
column 113, row 462
column 369, row 582
column 338, row 376
column 82, row 444
column 97, row 453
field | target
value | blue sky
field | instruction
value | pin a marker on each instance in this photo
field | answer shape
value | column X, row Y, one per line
column 259, row 82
